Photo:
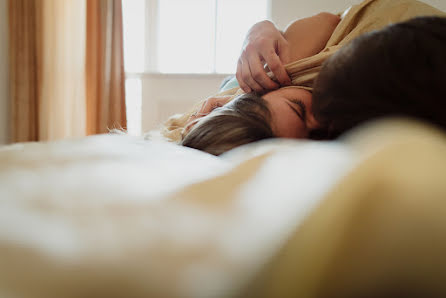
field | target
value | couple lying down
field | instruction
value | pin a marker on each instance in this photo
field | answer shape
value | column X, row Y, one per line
column 348, row 69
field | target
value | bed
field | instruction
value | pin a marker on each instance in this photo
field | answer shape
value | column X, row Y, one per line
column 120, row 216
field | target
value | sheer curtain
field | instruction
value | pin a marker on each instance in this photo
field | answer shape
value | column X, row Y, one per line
column 53, row 93
column 61, row 69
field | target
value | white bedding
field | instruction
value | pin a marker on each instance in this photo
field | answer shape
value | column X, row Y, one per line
column 117, row 216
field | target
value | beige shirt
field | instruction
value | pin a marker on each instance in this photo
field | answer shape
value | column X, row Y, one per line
column 365, row 17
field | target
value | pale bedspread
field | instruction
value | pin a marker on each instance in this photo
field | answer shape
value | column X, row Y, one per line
column 116, row 216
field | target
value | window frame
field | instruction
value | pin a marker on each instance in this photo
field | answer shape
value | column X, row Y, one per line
column 153, row 95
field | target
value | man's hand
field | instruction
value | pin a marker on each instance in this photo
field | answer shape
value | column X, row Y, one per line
column 264, row 43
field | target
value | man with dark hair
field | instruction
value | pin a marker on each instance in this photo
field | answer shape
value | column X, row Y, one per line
column 397, row 71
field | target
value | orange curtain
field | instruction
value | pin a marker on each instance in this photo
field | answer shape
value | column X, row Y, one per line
column 23, row 81
column 66, row 73
column 105, row 66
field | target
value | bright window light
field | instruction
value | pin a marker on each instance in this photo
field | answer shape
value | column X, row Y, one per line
column 134, row 34
column 193, row 36
column 133, row 96
column 234, row 19
column 186, row 36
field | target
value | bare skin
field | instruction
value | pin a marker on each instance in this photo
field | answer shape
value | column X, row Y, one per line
column 265, row 44
column 291, row 112
column 290, row 107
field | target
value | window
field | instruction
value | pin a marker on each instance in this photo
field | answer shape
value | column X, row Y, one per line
column 181, row 37
column 194, row 36
column 134, row 34
column 134, row 51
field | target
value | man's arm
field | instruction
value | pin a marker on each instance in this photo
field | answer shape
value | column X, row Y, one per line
column 264, row 43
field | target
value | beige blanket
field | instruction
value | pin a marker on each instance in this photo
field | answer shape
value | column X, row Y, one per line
column 115, row 216
column 362, row 18
column 381, row 232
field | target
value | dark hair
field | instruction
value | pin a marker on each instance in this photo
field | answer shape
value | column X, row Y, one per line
column 397, row 71
column 244, row 120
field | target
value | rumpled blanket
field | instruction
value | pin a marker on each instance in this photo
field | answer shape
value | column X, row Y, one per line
column 116, row 216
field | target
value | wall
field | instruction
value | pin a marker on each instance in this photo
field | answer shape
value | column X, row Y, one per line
column 3, row 72
column 285, row 11
column 440, row 4
column 167, row 94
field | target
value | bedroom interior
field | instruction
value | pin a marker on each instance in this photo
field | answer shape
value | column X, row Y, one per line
column 86, row 213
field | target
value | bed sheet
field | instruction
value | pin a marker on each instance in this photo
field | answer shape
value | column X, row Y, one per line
column 118, row 216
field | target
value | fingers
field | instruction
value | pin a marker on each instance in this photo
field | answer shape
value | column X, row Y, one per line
column 283, row 50
column 246, row 77
column 210, row 104
column 275, row 64
column 239, row 78
column 207, row 107
column 252, row 76
column 259, row 75
column 197, row 114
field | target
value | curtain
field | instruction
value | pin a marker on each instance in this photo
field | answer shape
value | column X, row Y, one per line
column 23, row 70
column 52, row 58
column 61, row 69
column 105, row 66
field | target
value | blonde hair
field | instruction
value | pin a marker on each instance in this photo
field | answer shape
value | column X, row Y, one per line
column 174, row 128
column 246, row 119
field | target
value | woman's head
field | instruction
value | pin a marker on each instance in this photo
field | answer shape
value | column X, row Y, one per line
column 400, row 70
column 250, row 117
column 218, row 129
